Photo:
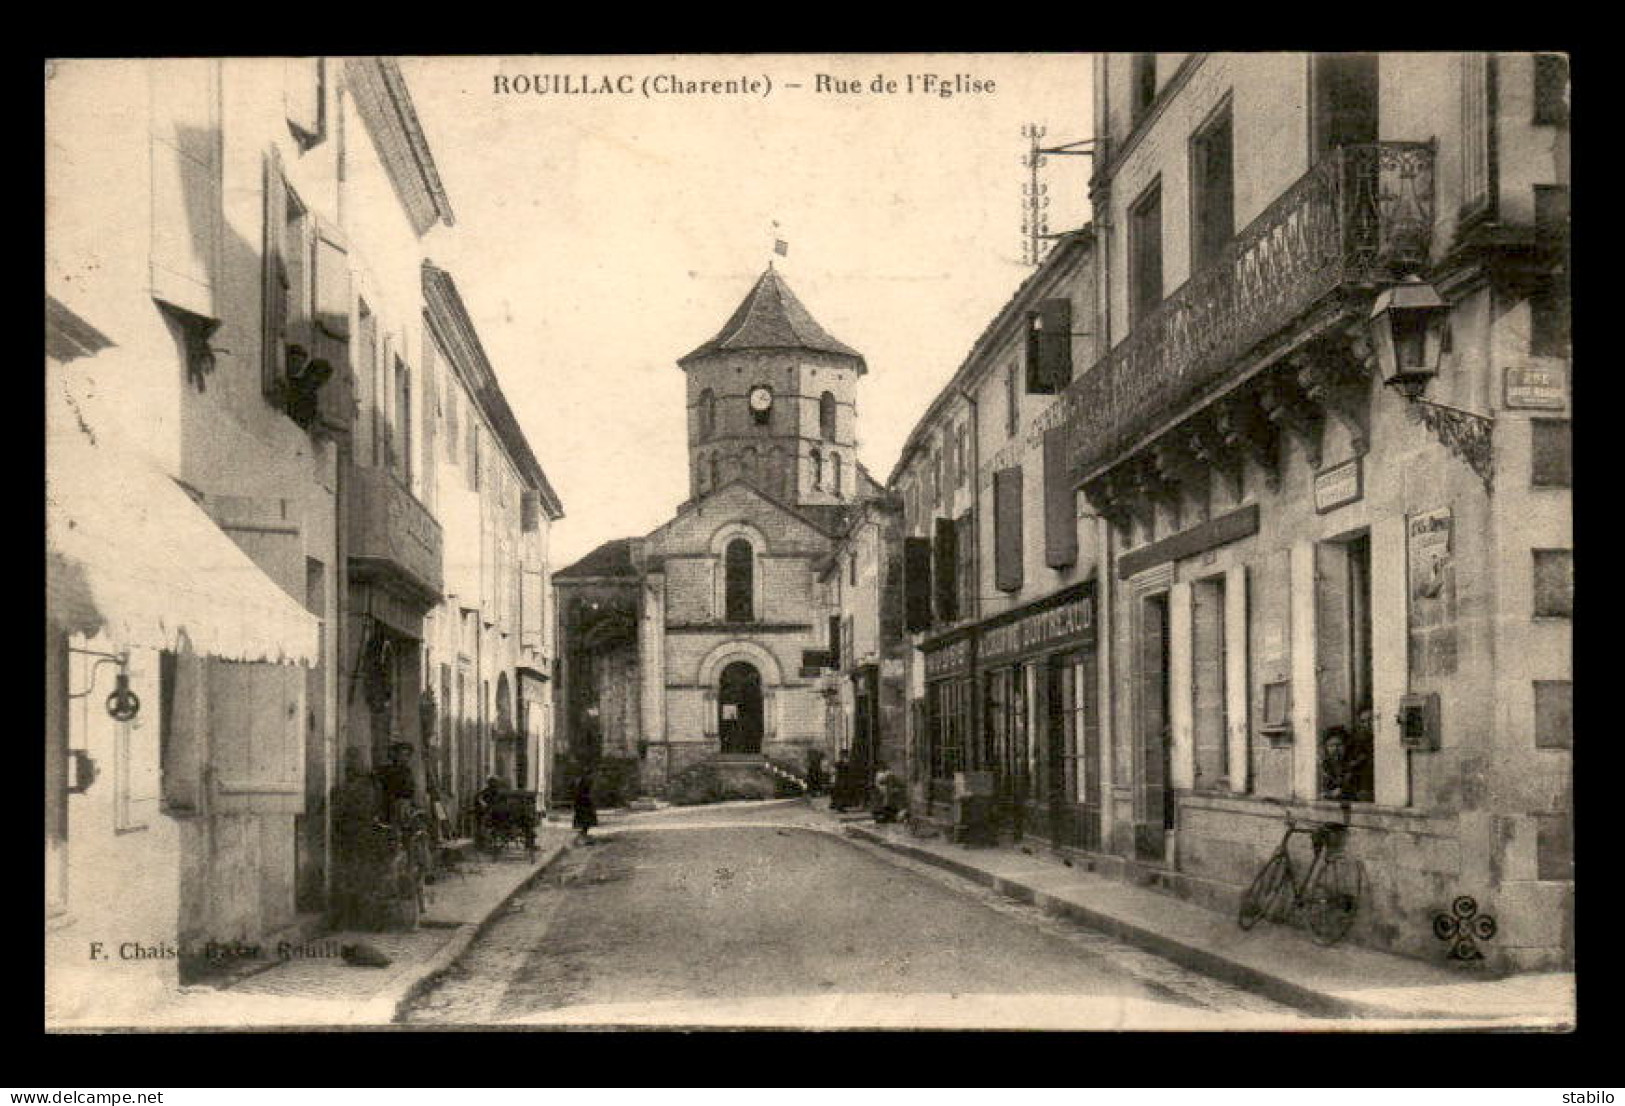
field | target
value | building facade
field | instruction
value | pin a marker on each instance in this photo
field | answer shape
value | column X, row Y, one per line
column 999, row 564
column 242, row 537
column 695, row 643
column 1324, row 592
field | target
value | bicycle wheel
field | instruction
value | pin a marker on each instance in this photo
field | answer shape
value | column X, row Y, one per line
column 1259, row 898
column 1334, row 899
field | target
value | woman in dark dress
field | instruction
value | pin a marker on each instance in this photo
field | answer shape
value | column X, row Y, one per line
column 586, row 814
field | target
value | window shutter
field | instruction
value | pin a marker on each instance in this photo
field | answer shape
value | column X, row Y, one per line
column 1060, row 503
column 336, row 401
column 835, row 641
column 891, row 598
column 1049, row 347
column 1007, row 544
column 916, row 584
column 944, row 569
column 256, row 712
column 302, row 98
column 966, row 541
column 274, row 276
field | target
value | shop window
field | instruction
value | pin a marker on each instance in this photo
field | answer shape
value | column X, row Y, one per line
column 1142, row 85
column 1213, row 191
column 1554, row 714
column 1343, row 96
column 739, row 568
column 1550, row 453
column 1554, row 583
column 1074, row 679
column 1551, row 90
column 1145, row 253
column 1345, row 746
column 1208, row 720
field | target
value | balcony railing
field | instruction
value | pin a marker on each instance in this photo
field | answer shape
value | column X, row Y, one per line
column 392, row 534
column 1363, row 215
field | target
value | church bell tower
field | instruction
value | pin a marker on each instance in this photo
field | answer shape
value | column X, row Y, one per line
column 772, row 400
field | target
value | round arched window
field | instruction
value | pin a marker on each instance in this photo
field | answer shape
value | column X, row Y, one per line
column 708, row 414
column 739, row 566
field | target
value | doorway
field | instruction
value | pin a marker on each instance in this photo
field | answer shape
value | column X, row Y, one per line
column 1156, row 815
column 739, row 704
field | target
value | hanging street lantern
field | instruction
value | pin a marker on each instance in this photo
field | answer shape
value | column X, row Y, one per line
column 1407, row 333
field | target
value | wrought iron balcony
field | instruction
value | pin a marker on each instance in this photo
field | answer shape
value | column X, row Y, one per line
column 392, row 535
column 1361, row 216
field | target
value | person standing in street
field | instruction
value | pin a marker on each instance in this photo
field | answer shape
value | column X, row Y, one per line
column 586, row 813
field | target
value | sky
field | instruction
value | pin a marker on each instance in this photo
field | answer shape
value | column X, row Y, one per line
column 599, row 237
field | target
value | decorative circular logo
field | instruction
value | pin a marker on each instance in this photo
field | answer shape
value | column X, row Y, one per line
column 1462, row 927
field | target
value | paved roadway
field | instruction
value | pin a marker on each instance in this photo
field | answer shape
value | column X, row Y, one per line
column 761, row 914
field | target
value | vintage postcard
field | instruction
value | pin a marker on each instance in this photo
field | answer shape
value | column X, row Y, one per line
column 916, row 541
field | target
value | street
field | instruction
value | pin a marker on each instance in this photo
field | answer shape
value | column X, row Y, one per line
column 760, row 914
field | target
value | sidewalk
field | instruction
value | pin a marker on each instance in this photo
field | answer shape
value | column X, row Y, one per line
column 322, row 990
column 1279, row 962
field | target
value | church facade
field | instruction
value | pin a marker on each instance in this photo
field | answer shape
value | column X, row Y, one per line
column 709, row 639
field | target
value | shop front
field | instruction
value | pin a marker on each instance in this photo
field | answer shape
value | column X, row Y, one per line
column 1039, row 739
column 950, row 697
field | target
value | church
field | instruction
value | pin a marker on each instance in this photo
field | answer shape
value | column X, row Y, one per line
column 709, row 640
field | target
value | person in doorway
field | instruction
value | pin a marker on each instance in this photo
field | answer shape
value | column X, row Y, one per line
column 1342, row 765
column 486, row 802
column 586, row 813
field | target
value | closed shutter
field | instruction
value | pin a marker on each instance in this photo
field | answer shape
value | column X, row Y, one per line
column 891, row 598
column 1060, row 503
column 274, row 277
column 336, row 402
column 916, row 584
column 945, row 569
column 1049, row 347
column 966, row 542
column 1007, row 542
column 256, row 712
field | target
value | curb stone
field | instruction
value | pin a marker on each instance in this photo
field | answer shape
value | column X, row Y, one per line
column 387, row 1007
column 1186, row 955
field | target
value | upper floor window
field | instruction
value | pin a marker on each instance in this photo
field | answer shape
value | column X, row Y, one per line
column 961, row 453
column 817, row 468
column 714, row 470
column 739, row 567
column 1551, row 89
column 1145, row 253
column 835, row 465
column 708, row 414
column 1142, row 84
column 826, row 416
column 401, row 456
column 1213, row 205
column 1343, row 100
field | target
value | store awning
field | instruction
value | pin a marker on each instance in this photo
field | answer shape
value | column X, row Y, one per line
column 129, row 554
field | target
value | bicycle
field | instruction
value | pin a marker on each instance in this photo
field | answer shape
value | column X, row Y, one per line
column 1327, row 897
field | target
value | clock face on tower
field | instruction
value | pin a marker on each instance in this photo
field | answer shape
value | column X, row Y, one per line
column 761, row 402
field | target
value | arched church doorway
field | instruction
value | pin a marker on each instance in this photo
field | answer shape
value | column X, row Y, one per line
column 739, row 704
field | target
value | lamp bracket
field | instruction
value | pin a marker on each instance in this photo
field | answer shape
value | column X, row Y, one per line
column 1466, row 434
